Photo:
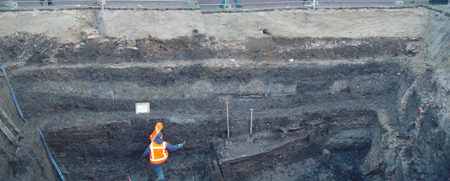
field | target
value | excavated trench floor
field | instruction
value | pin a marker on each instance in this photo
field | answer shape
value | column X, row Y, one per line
column 283, row 148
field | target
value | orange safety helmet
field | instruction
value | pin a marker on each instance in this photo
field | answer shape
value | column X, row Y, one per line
column 159, row 126
column 158, row 153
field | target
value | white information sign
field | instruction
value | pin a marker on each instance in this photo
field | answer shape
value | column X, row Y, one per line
column 142, row 108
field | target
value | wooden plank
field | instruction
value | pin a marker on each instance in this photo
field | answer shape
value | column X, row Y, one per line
column 283, row 144
column 234, row 166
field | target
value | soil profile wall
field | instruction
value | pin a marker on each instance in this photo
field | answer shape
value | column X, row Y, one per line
column 67, row 25
column 349, row 67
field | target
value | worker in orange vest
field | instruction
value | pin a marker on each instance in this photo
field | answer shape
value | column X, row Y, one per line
column 159, row 126
column 158, row 151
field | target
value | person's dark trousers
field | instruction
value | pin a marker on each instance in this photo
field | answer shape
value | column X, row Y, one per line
column 49, row 2
column 158, row 171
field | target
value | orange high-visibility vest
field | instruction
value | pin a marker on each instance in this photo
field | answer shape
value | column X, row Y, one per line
column 158, row 152
column 158, row 128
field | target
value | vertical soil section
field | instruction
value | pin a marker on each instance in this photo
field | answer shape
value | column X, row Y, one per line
column 336, row 105
column 85, row 104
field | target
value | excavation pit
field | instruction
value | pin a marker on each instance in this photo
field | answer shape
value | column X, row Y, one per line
column 297, row 115
column 336, row 94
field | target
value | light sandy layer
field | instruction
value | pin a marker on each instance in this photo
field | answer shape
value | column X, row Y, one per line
column 67, row 25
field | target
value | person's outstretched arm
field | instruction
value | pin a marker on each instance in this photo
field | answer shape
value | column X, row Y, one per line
column 172, row 148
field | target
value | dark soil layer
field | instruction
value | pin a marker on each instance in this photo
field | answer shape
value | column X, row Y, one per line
column 312, row 84
column 40, row 50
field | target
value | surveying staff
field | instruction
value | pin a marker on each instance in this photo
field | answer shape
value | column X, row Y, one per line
column 158, row 151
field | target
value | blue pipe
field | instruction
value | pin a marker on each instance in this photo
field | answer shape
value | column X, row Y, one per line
column 12, row 93
column 51, row 158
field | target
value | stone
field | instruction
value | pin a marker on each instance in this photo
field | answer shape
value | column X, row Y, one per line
column 325, row 156
column 413, row 47
column 339, row 86
column 90, row 33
